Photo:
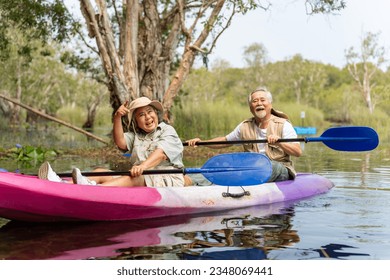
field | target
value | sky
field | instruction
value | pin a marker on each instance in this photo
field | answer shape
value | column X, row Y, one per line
column 286, row 30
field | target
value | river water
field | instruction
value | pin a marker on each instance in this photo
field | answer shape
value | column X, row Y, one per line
column 351, row 221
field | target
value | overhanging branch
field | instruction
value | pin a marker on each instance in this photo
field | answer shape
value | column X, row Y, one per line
column 46, row 116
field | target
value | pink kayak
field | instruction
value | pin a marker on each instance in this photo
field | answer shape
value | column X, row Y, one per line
column 27, row 198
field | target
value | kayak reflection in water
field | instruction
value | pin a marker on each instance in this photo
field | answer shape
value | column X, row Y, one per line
column 266, row 123
column 152, row 144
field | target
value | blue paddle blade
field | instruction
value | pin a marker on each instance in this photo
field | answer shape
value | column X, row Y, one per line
column 349, row 138
column 236, row 169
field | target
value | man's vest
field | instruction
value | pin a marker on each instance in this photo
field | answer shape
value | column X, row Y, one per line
column 273, row 152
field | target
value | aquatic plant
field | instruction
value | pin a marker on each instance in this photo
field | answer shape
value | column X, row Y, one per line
column 31, row 153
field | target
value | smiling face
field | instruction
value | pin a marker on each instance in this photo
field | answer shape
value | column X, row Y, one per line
column 260, row 105
column 146, row 118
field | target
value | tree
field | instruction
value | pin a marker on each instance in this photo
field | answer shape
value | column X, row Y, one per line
column 39, row 79
column 147, row 47
column 13, row 70
column 37, row 19
column 256, row 55
column 363, row 65
column 298, row 78
column 25, row 29
column 149, row 34
column 256, row 58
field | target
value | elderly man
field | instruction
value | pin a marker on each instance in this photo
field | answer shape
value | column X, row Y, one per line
column 266, row 123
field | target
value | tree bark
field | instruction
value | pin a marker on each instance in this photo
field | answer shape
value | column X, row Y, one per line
column 91, row 115
column 130, row 47
column 363, row 83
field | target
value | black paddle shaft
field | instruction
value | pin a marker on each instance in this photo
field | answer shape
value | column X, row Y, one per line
column 126, row 172
column 205, row 143
column 348, row 139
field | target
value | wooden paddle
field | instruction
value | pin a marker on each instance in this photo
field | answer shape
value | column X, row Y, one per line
column 232, row 169
column 348, row 138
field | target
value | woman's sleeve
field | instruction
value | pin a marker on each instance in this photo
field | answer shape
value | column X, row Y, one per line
column 171, row 144
column 129, row 138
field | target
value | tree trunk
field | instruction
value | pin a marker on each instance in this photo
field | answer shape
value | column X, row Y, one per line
column 362, row 67
column 366, row 87
column 364, row 83
column 129, row 48
column 91, row 112
column 15, row 112
column 91, row 115
column 99, row 28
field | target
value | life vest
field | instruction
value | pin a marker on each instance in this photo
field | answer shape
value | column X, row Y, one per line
column 273, row 152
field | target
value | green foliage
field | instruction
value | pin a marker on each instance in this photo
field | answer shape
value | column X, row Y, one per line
column 104, row 116
column 378, row 120
column 72, row 114
column 31, row 154
column 36, row 20
column 327, row 95
column 43, row 82
column 76, row 115
column 325, row 6
column 338, row 103
column 208, row 119
column 48, row 19
column 255, row 55
column 86, row 64
column 313, row 117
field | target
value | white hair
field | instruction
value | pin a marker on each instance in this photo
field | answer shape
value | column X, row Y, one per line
column 263, row 89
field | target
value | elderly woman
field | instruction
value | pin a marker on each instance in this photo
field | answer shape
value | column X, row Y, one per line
column 152, row 143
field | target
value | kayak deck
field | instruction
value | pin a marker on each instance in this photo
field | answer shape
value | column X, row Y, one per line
column 27, row 198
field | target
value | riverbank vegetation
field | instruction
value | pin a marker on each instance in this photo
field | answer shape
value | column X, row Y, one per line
column 212, row 101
